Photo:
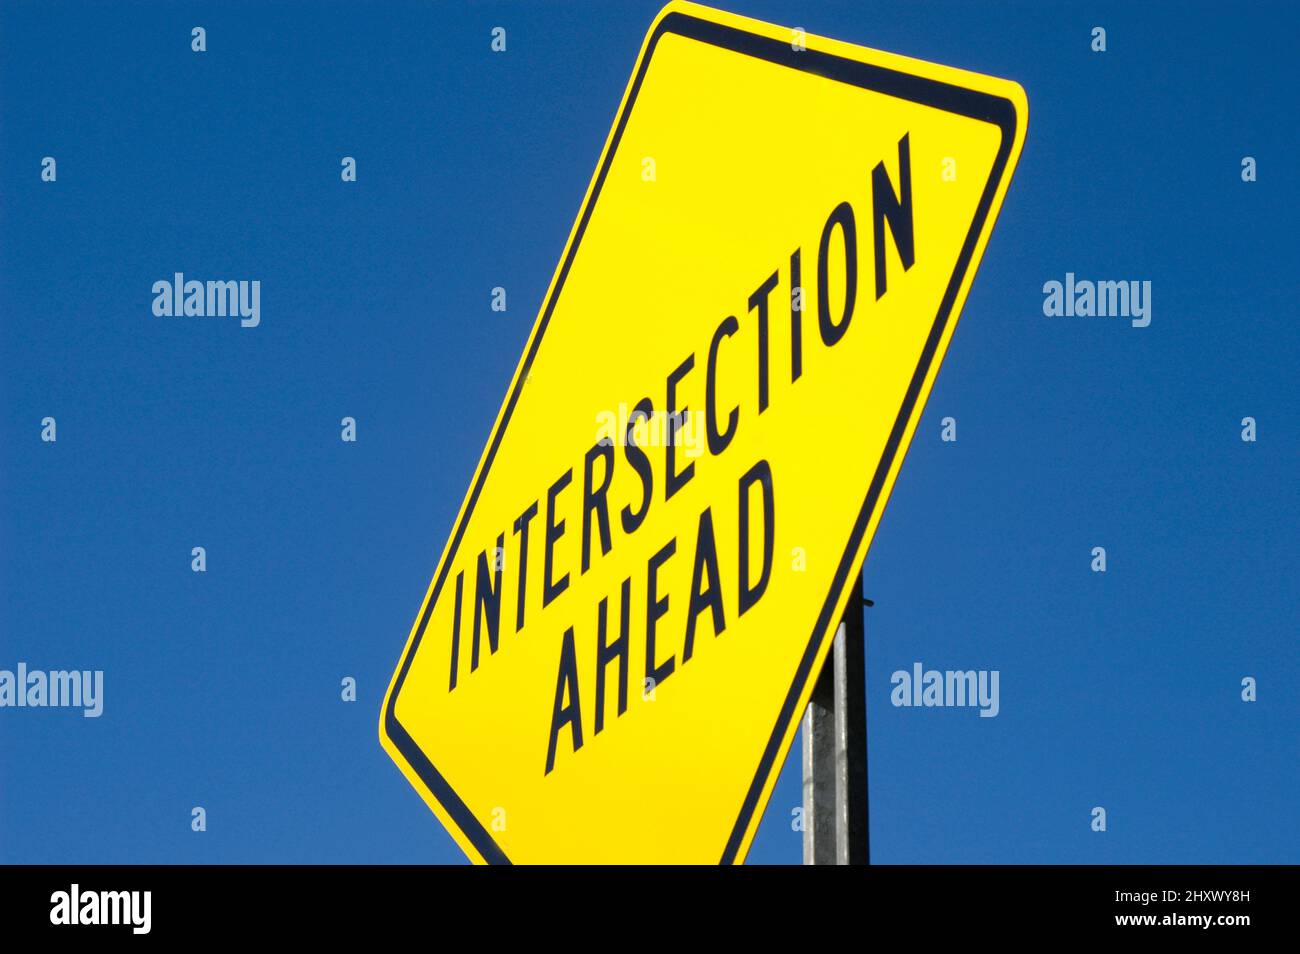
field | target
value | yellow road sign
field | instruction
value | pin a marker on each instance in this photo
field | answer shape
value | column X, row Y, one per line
column 692, row 458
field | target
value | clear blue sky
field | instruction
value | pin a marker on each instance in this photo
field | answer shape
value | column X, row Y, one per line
column 222, row 689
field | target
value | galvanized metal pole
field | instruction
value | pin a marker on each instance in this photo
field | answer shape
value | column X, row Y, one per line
column 835, row 750
column 819, row 771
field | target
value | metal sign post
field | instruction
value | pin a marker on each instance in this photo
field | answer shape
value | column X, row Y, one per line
column 835, row 750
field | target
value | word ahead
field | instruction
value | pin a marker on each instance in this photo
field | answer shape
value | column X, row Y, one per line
column 612, row 657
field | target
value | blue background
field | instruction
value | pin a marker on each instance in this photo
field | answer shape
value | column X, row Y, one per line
column 222, row 689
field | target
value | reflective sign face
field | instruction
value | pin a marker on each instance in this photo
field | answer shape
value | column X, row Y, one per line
column 689, row 465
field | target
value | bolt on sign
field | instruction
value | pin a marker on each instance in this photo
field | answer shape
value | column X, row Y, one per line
column 692, row 458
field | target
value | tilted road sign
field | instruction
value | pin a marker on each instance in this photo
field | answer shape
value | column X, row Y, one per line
column 688, row 468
